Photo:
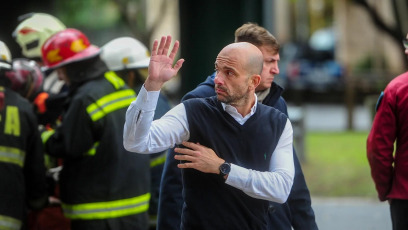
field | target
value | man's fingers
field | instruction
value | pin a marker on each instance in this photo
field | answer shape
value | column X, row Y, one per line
column 178, row 65
column 174, row 50
column 184, row 158
column 154, row 50
column 190, row 145
column 182, row 166
column 161, row 45
column 167, row 45
column 184, row 151
column 186, row 165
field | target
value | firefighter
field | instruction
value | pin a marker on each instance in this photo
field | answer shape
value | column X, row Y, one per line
column 26, row 79
column 129, row 59
column 22, row 169
column 102, row 185
column 31, row 33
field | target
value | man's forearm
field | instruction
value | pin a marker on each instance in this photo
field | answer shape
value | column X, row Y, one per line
column 142, row 135
column 139, row 116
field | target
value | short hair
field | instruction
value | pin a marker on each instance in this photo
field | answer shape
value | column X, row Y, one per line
column 256, row 35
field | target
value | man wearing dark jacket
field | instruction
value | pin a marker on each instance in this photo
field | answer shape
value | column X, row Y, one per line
column 297, row 211
column 102, row 185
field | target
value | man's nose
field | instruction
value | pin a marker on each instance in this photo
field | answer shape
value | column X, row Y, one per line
column 218, row 79
column 275, row 69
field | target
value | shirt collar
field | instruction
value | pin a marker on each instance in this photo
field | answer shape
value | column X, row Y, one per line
column 231, row 110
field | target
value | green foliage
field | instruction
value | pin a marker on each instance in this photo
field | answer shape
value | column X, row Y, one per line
column 337, row 165
column 93, row 14
column 370, row 62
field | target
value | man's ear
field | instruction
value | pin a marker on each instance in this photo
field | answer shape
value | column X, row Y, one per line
column 254, row 81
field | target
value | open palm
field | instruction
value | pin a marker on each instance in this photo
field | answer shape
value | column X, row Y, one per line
column 161, row 66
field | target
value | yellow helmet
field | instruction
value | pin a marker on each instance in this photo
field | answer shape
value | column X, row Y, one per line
column 34, row 30
column 5, row 56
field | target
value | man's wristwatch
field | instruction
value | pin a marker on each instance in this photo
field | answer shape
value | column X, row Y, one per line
column 225, row 169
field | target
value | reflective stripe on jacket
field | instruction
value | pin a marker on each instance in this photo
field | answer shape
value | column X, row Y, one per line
column 159, row 160
column 110, row 103
column 108, row 209
column 12, row 155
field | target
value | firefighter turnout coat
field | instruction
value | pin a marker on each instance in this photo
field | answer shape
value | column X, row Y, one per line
column 22, row 170
column 100, row 180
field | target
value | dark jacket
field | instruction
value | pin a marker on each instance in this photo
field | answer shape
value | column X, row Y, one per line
column 390, row 130
column 97, row 170
column 297, row 212
column 22, row 169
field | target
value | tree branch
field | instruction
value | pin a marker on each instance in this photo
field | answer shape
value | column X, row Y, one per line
column 393, row 31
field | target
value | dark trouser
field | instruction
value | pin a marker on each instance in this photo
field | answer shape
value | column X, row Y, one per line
column 399, row 213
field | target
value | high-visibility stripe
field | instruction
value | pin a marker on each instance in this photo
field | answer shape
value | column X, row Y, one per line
column 158, row 160
column 9, row 223
column 108, row 209
column 92, row 151
column 12, row 155
column 110, row 103
column 114, row 79
column 46, row 135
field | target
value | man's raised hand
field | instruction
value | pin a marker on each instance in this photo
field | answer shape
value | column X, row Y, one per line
column 161, row 66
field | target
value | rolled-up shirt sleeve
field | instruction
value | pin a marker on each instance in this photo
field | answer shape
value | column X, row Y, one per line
column 274, row 185
column 143, row 135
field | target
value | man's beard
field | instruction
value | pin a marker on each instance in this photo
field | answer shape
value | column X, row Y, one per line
column 231, row 99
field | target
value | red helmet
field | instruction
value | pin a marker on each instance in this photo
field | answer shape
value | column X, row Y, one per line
column 65, row 47
column 26, row 77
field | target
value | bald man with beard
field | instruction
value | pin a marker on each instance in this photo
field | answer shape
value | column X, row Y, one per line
column 236, row 154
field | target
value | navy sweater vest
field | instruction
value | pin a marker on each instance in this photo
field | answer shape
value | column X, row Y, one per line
column 209, row 202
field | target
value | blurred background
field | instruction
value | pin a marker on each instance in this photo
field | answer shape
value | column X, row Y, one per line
column 336, row 58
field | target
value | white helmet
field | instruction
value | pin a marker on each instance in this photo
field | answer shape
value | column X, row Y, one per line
column 125, row 53
column 5, row 56
column 34, row 30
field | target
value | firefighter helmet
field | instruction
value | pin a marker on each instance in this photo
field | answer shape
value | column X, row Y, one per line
column 67, row 46
column 125, row 53
column 34, row 30
column 5, row 56
column 26, row 77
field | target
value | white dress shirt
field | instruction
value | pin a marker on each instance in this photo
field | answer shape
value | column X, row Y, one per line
column 143, row 135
